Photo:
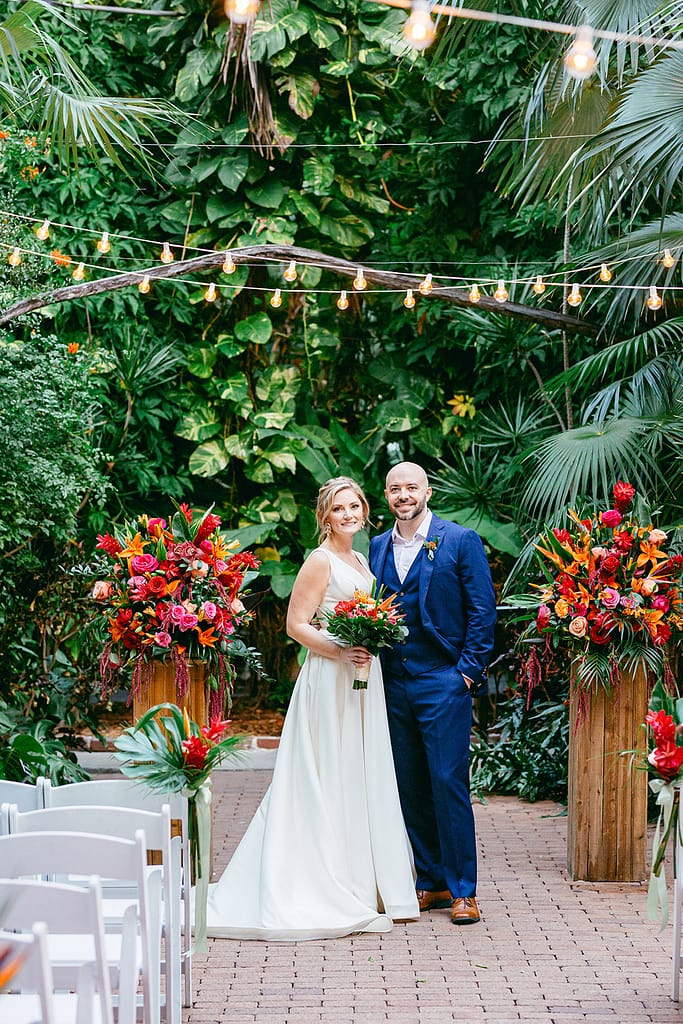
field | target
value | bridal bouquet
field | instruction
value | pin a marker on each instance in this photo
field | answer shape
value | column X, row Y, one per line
column 369, row 620
column 170, row 753
column 611, row 594
column 171, row 592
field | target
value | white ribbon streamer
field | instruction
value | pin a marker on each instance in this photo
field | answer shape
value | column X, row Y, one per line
column 657, row 896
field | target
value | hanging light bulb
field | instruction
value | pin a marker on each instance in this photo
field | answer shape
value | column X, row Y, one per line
column 409, row 300
column 419, row 31
column 229, row 265
column 605, row 273
column 210, row 293
column 501, row 293
column 475, row 294
column 79, row 272
column 343, row 301
column 276, row 299
column 653, row 301
column 575, row 298
column 241, row 11
column 425, row 286
column 580, row 60
column 290, row 273
column 667, row 260
column 144, row 285
column 103, row 244
column 539, row 285
column 14, row 258
column 43, row 232
column 359, row 282
column 166, row 254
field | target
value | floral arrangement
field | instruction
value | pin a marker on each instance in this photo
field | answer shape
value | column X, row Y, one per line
column 171, row 592
column 369, row 620
column 170, row 753
column 611, row 595
column 664, row 760
column 430, row 547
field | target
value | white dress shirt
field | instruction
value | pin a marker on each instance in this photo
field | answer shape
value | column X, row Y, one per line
column 406, row 551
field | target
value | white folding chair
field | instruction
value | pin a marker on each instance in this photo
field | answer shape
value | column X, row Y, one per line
column 31, row 999
column 26, row 796
column 124, row 822
column 129, row 793
column 132, row 954
column 73, row 918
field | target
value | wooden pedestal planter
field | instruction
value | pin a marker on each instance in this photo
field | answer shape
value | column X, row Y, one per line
column 162, row 690
column 607, row 808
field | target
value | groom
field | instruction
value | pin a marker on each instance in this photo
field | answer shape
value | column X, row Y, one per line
column 441, row 576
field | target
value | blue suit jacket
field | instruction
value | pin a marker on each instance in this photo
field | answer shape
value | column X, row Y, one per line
column 456, row 596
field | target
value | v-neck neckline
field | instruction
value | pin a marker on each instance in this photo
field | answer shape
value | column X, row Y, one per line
column 360, row 570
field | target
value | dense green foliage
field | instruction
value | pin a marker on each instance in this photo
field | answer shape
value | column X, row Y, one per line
column 318, row 128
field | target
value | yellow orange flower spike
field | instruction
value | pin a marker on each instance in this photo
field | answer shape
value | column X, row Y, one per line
column 186, row 723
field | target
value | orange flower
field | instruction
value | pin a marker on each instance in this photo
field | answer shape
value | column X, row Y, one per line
column 3, row 136
column 30, row 141
column 72, row 348
column 60, row 258
column 649, row 553
column 136, row 546
column 29, row 172
column 207, row 637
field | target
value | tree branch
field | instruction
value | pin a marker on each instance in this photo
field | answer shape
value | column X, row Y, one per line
column 283, row 254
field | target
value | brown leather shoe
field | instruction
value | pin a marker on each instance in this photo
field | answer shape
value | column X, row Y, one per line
column 427, row 900
column 465, row 910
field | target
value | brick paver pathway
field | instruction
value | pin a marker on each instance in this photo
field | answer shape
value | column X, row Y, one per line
column 547, row 949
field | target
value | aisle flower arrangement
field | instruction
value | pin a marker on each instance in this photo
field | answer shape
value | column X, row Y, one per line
column 664, row 761
column 370, row 620
column 168, row 752
column 173, row 592
column 610, row 594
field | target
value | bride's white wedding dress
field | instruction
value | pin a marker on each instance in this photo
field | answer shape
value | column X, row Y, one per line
column 326, row 853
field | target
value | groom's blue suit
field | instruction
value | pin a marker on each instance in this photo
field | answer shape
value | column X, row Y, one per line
column 450, row 610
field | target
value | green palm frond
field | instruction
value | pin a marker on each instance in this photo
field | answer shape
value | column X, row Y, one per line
column 645, row 135
column 513, row 428
column 42, row 88
column 588, row 460
column 622, row 359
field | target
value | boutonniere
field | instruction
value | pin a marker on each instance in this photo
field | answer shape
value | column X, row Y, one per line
column 430, row 547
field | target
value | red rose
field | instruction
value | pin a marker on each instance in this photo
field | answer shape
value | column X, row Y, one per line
column 609, row 566
column 124, row 617
column 612, row 517
column 105, row 542
column 667, row 759
column 623, row 494
column 602, row 628
column 157, row 586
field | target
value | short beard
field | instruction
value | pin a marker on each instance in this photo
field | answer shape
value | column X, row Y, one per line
column 411, row 514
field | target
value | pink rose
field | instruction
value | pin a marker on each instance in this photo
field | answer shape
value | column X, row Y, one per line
column 102, row 590
column 657, row 536
column 177, row 612
column 188, row 622
column 610, row 597
column 144, row 563
column 209, row 610
column 611, row 517
column 162, row 639
column 186, row 550
column 661, row 603
column 155, row 526
column 236, row 606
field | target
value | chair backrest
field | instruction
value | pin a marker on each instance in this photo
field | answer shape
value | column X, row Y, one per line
column 121, row 822
column 26, row 796
column 25, row 958
column 65, row 910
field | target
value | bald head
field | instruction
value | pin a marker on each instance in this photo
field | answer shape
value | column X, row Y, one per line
column 407, row 492
column 407, row 469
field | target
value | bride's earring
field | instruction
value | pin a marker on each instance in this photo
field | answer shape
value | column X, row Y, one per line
column 327, row 531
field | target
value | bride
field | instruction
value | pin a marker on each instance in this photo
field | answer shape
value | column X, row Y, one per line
column 326, row 853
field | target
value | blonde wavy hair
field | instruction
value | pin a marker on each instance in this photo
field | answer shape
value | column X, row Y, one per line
column 326, row 495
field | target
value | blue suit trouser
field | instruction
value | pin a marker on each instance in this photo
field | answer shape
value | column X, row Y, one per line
column 430, row 719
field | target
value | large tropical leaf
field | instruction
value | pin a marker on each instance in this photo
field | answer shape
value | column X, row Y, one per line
column 588, row 460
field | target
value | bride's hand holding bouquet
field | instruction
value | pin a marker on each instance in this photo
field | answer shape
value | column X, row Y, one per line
column 370, row 621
